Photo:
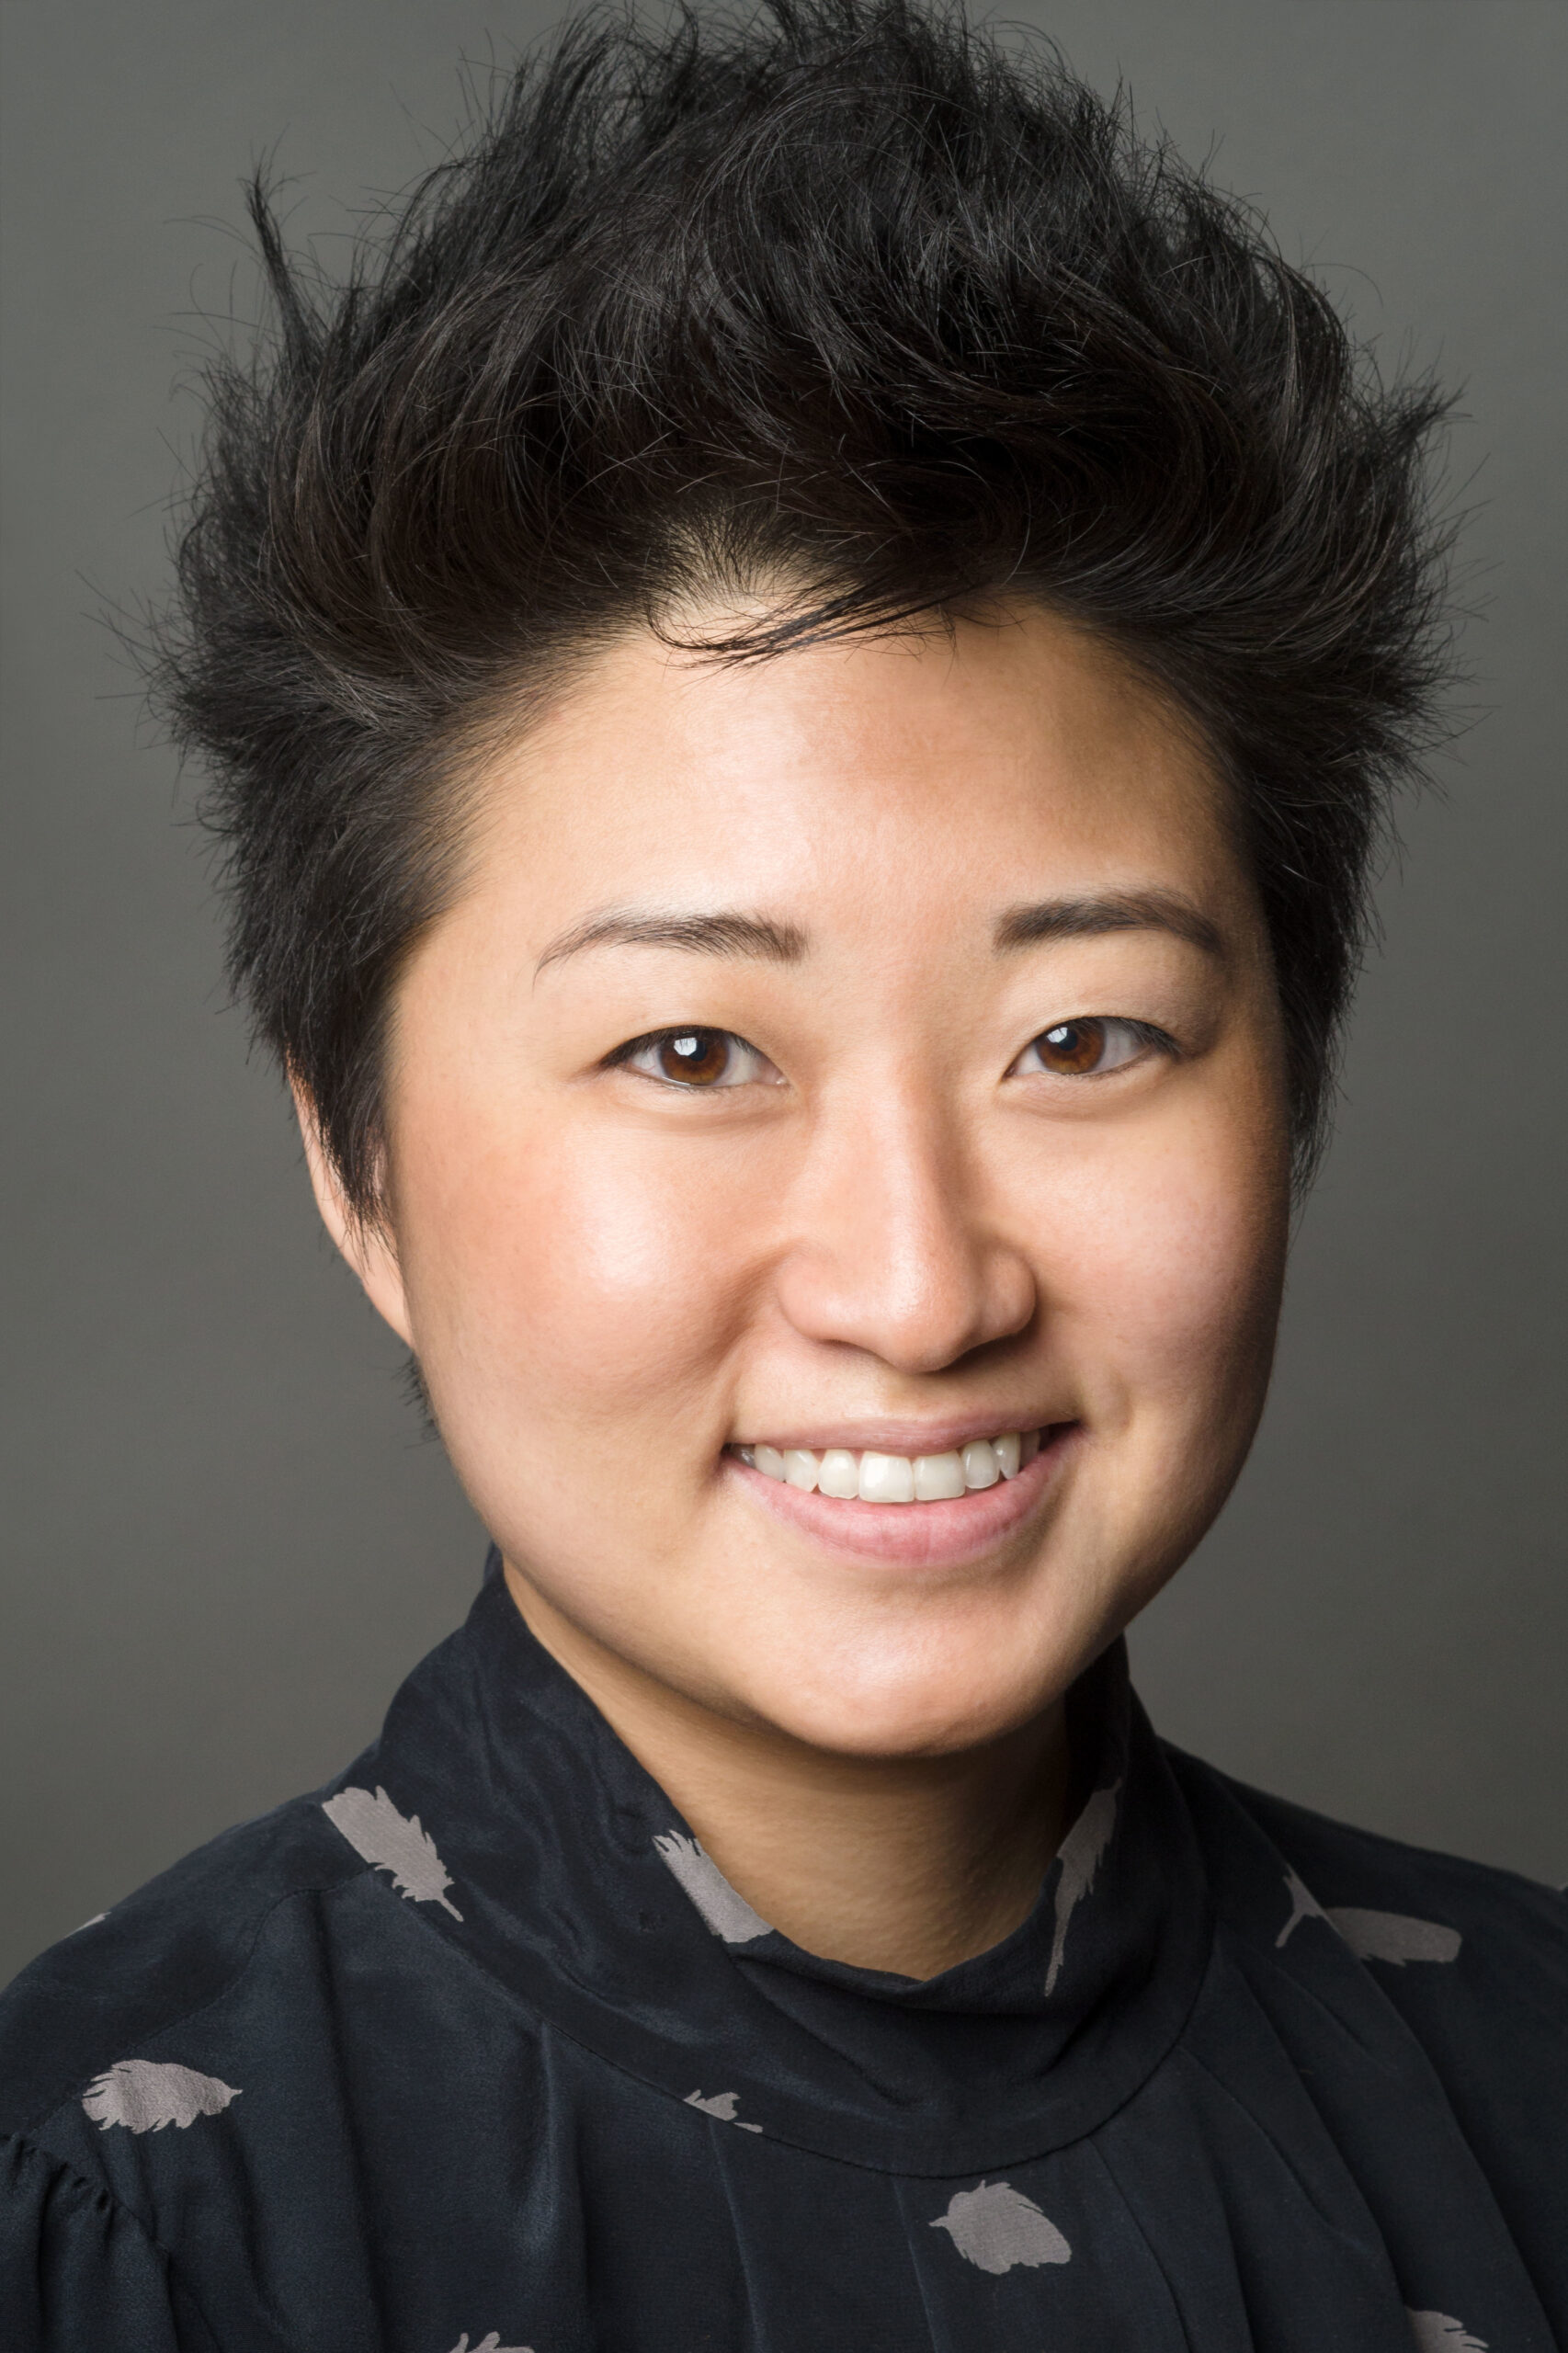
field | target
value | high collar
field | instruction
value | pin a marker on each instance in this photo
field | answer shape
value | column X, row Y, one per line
column 574, row 1882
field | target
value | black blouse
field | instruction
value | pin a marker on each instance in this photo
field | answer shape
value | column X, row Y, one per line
column 475, row 2049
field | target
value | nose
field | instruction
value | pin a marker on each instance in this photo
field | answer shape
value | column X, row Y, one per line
column 893, row 1250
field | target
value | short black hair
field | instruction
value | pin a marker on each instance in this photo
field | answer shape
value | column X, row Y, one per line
column 843, row 300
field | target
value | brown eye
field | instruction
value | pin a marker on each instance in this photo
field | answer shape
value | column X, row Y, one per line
column 1088, row 1049
column 697, row 1058
column 1073, row 1047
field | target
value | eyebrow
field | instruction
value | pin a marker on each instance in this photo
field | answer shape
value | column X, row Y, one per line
column 1027, row 926
column 731, row 934
column 701, row 935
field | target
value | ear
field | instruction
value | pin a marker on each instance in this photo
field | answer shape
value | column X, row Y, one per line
column 367, row 1245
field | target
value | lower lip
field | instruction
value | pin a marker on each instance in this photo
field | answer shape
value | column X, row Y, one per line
column 938, row 1535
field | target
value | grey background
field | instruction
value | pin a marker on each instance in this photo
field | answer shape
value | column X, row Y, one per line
column 224, row 1539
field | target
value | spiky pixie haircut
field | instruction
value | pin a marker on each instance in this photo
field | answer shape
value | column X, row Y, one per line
column 842, row 308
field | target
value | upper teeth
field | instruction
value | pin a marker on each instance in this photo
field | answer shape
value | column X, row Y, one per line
column 897, row 1478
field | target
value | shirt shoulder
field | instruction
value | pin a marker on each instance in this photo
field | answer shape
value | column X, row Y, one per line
column 1414, row 1991
column 163, row 1954
column 1473, row 1960
column 1391, row 1902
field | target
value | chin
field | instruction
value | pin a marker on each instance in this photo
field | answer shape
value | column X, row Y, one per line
column 914, row 1708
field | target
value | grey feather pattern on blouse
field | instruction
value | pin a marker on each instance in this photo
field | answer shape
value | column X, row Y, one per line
column 721, row 2105
column 392, row 1842
column 1393, row 1936
column 1304, row 1906
column 1436, row 2333
column 1080, row 1854
column 996, row 2226
column 146, row 2093
column 728, row 1915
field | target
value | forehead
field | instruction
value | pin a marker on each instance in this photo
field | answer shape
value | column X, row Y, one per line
column 1000, row 761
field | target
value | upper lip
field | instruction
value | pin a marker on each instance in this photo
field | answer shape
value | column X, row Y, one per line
column 909, row 1438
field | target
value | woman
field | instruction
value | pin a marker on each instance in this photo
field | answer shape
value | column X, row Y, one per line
column 800, row 679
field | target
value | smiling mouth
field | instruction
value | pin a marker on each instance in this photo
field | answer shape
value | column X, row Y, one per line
column 868, row 1477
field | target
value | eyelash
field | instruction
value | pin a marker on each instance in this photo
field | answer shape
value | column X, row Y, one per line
column 1143, row 1033
column 1146, row 1035
column 652, row 1039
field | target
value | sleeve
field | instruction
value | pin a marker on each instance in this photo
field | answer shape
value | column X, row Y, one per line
column 77, row 2270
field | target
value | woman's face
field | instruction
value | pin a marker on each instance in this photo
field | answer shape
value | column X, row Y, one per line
column 870, row 1053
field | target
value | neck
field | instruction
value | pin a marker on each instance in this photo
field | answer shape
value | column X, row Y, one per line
column 906, row 1864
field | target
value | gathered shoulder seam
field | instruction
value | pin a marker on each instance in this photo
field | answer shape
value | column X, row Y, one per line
column 22, row 2131
column 62, row 2169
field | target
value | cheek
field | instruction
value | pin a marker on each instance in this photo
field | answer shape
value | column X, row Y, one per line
column 1168, row 1268
column 575, row 1275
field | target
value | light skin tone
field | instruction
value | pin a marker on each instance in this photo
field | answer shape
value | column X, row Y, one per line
column 872, row 1048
